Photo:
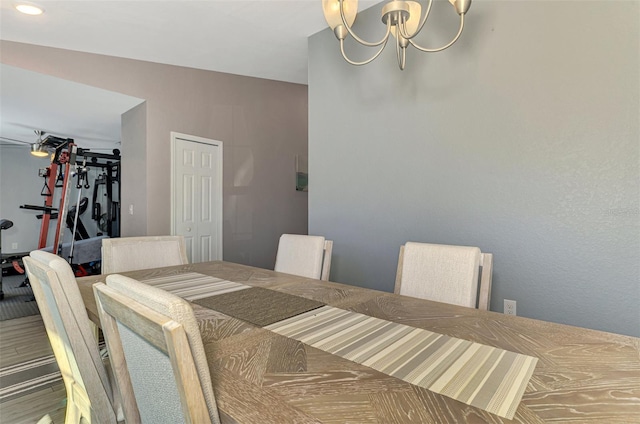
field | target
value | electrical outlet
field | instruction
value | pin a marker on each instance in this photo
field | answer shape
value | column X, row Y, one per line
column 14, row 246
column 509, row 307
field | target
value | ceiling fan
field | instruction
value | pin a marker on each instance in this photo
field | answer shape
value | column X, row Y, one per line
column 13, row 140
column 42, row 145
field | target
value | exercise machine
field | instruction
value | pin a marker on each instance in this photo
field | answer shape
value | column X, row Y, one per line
column 107, row 186
column 68, row 161
column 5, row 224
column 56, row 175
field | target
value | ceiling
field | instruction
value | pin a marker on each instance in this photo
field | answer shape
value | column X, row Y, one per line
column 264, row 39
column 30, row 101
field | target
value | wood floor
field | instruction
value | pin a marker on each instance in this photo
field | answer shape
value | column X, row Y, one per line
column 22, row 340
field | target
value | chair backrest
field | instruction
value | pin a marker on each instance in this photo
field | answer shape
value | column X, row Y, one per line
column 89, row 392
column 133, row 253
column 307, row 256
column 445, row 273
column 157, row 353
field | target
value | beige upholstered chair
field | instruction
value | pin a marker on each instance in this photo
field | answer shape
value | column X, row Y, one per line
column 445, row 273
column 89, row 391
column 157, row 353
column 133, row 253
column 307, row 256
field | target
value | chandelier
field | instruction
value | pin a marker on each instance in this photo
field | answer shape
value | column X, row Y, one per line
column 404, row 20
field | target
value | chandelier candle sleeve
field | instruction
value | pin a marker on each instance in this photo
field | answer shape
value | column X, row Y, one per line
column 404, row 20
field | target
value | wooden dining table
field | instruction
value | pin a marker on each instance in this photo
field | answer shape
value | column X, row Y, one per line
column 261, row 376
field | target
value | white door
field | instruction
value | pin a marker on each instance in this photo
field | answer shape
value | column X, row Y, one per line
column 196, row 195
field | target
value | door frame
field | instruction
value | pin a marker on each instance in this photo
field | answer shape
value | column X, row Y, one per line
column 218, row 182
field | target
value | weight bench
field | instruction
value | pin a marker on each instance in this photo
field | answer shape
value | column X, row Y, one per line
column 84, row 251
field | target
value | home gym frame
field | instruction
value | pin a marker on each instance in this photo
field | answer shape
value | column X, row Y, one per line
column 65, row 156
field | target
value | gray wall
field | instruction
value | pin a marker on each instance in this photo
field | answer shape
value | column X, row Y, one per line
column 134, row 170
column 20, row 185
column 522, row 139
column 262, row 123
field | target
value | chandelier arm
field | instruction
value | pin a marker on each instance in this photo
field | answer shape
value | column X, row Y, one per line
column 358, row 39
column 344, row 55
column 446, row 46
column 401, row 54
column 402, row 27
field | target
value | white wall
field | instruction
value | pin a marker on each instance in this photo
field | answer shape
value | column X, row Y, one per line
column 522, row 139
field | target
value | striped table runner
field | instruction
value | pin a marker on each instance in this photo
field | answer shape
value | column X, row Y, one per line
column 193, row 285
column 482, row 376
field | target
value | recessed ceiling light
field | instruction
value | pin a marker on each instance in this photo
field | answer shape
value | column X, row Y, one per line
column 29, row 8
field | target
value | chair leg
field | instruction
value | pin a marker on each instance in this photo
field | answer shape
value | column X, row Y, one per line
column 72, row 415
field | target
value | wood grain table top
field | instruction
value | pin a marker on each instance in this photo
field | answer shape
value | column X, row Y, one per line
column 259, row 376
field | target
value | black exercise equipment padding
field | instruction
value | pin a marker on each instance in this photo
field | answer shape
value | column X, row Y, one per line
column 81, row 231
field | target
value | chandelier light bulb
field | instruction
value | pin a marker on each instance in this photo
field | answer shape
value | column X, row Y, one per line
column 331, row 9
